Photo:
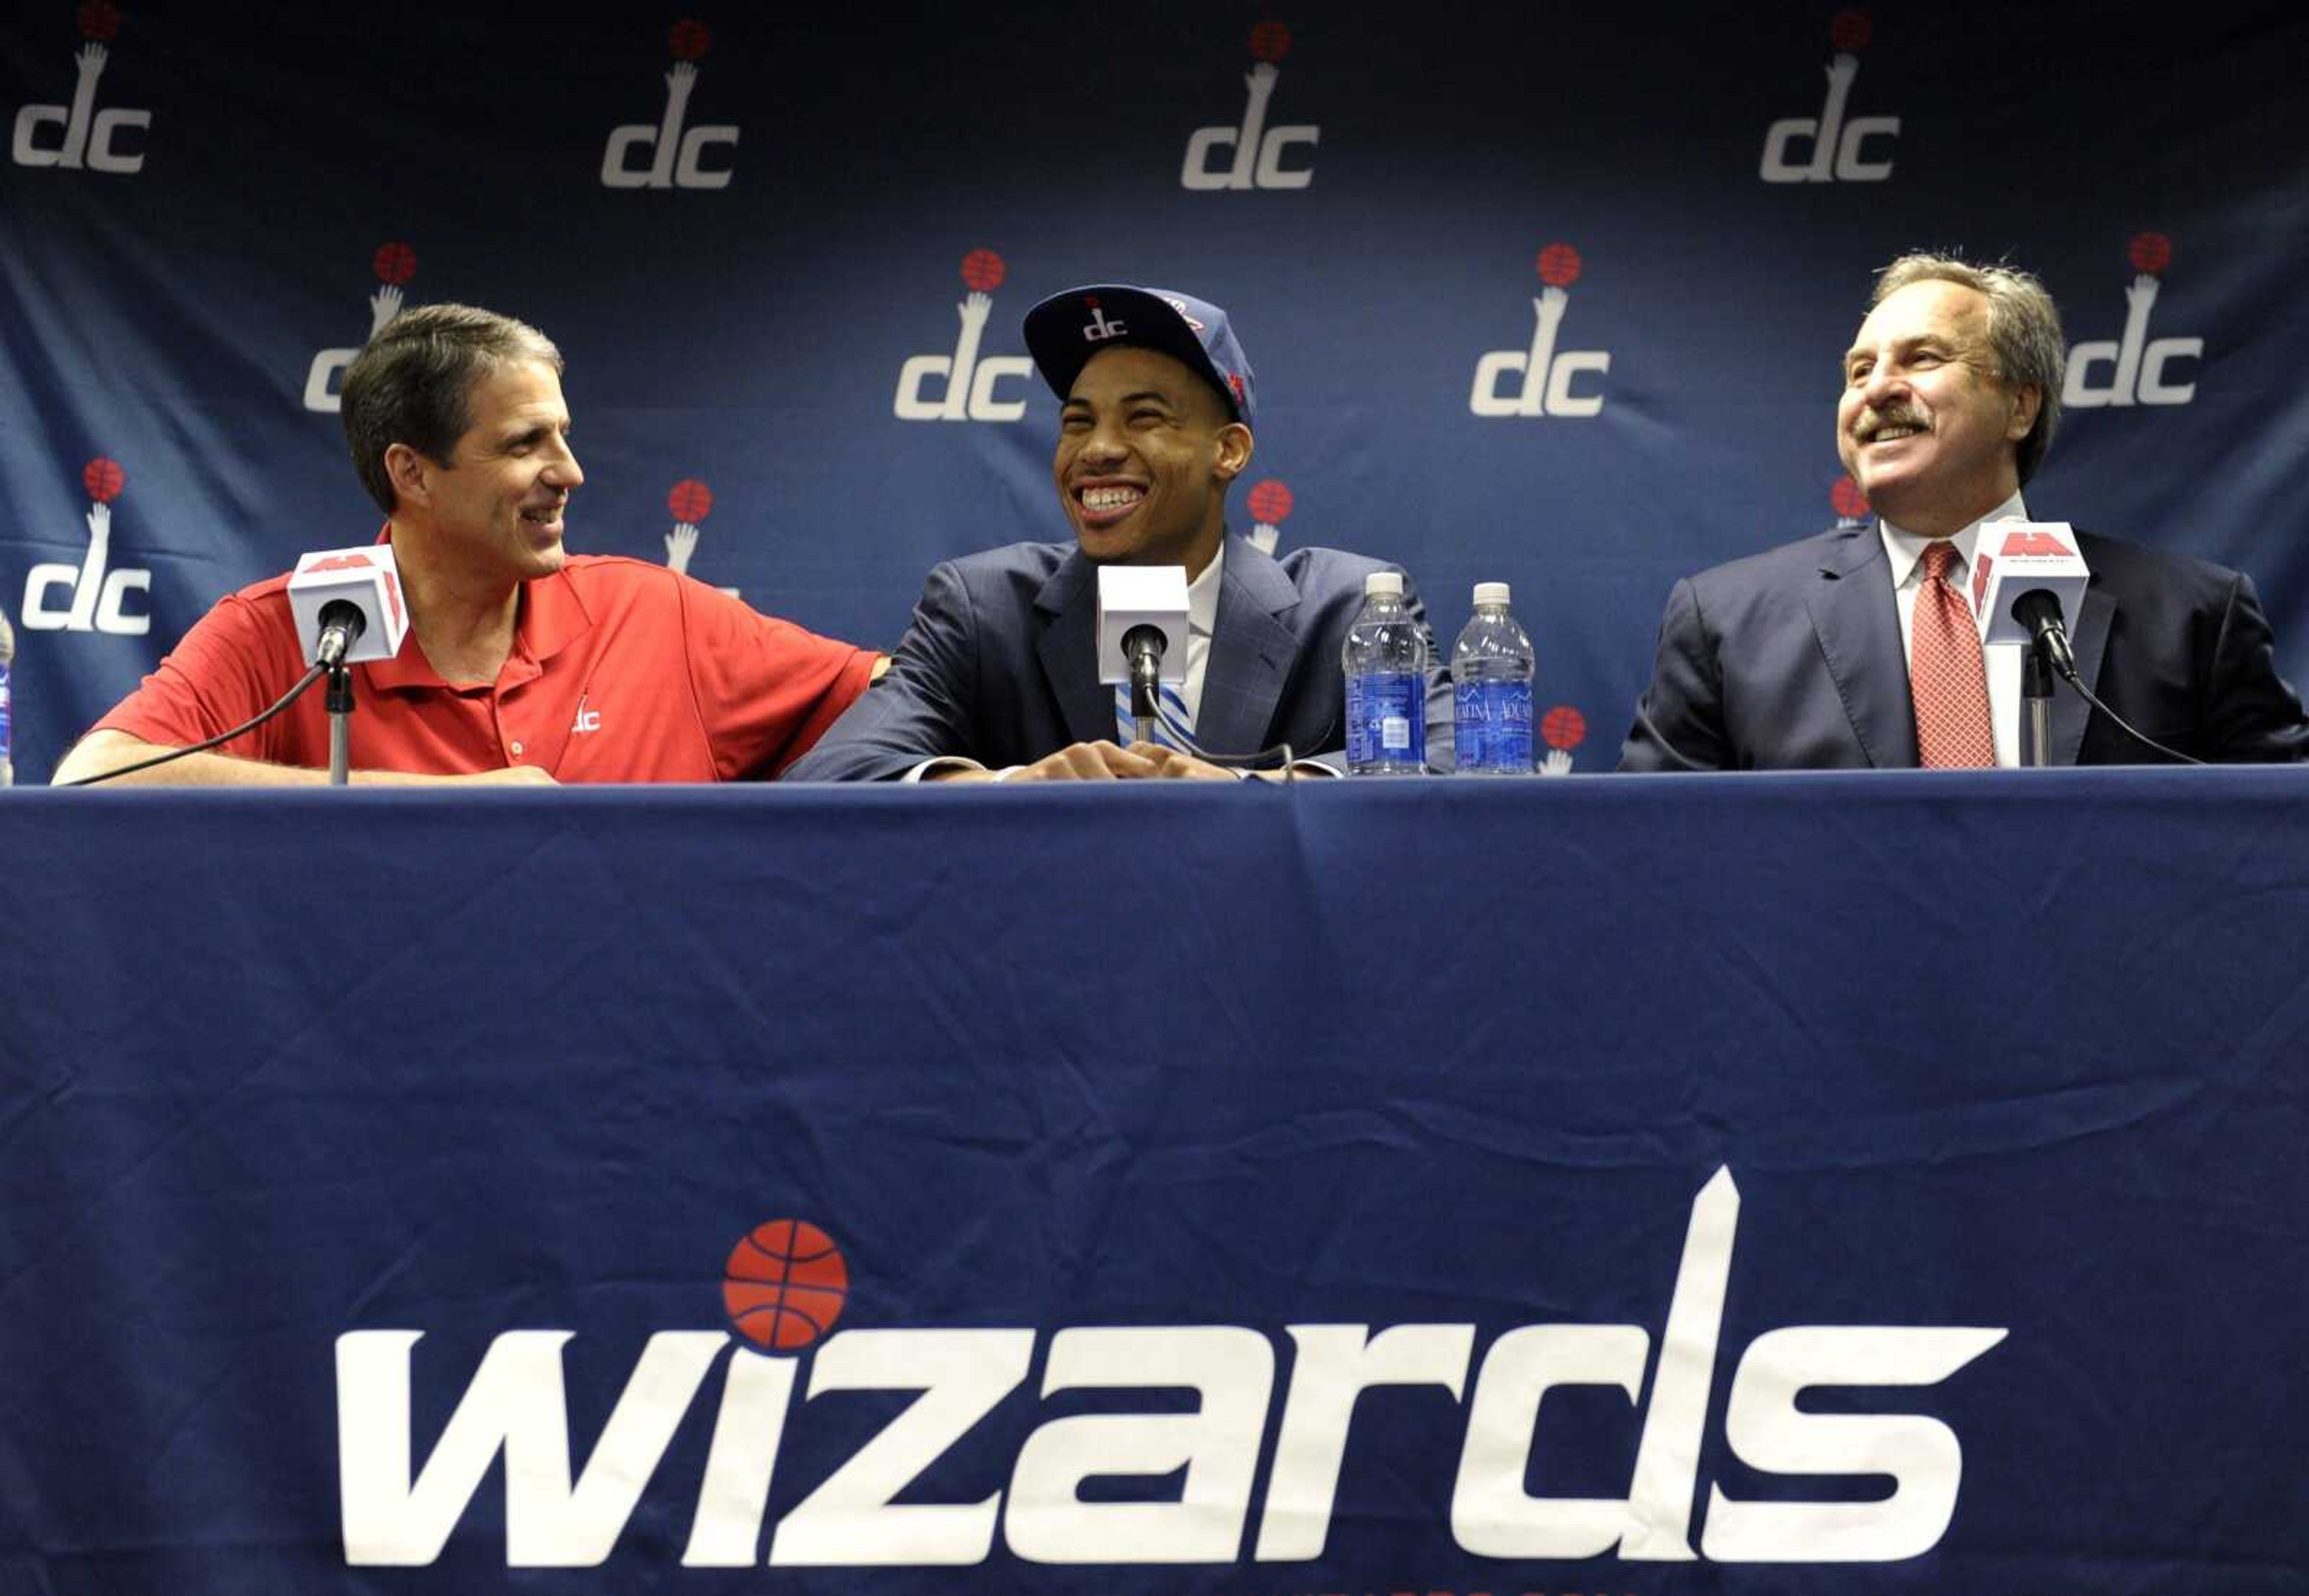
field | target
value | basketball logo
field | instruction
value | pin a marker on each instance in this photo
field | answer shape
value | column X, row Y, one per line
column 785, row 1284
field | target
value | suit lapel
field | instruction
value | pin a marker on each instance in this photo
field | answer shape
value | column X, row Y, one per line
column 2086, row 642
column 1069, row 647
column 1251, row 652
column 1857, row 619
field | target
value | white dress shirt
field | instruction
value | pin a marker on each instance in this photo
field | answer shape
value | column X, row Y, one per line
column 1905, row 551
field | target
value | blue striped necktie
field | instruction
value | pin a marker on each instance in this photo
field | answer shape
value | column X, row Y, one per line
column 1174, row 728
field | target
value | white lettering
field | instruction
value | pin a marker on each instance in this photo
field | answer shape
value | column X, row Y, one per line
column 1491, row 1513
column 1257, row 150
column 756, row 1395
column 1230, row 1369
column 321, row 379
column 1832, row 150
column 1338, row 1362
column 516, row 1404
column 1767, row 1431
column 1667, row 1459
column 849, row 1520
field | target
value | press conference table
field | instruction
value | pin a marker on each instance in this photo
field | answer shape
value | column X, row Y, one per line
column 315, row 1103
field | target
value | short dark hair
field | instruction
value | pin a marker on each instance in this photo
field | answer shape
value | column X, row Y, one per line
column 2024, row 333
column 414, row 384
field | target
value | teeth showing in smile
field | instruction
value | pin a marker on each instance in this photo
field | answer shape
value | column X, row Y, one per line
column 1111, row 499
column 1886, row 434
column 542, row 518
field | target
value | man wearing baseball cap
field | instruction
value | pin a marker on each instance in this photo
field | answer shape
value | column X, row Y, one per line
column 998, row 677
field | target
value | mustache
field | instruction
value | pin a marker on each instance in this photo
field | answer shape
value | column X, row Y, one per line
column 1874, row 421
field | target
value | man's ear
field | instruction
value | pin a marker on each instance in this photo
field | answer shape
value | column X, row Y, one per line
column 1234, row 445
column 410, row 472
column 2028, row 403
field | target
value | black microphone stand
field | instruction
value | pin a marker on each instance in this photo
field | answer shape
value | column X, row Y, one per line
column 340, row 703
column 2036, row 705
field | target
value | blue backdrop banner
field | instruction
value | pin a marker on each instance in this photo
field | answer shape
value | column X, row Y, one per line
column 1547, row 295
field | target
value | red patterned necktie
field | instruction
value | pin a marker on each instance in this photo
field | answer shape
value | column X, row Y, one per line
column 1946, row 676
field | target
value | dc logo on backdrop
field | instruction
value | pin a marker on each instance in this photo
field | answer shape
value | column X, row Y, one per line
column 1253, row 151
column 86, row 597
column 79, row 136
column 1269, row 502
column 2136, row 364
column 676, row 158
column 1850, row 504
column 1547, row 373
column 394, row 264
column 1829, row 148
column 969, row 379
column 689, row 503
column 1562, row 729
column 786, row 1285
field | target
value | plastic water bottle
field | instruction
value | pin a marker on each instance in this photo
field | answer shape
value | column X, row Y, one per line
column 1490, row 700
column 1386, row 664
column 8, row 659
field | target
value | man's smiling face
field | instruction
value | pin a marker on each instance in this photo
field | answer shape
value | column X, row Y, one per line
column 1145, row 451
column 1926, row 427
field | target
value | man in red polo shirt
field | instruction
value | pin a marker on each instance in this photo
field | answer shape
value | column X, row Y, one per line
column 524, row 663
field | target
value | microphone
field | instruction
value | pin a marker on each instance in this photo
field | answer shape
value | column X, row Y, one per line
column 2039, row 610
column 347, row 605
column 341, row 626
column 2035, row 563
column 1142, row 632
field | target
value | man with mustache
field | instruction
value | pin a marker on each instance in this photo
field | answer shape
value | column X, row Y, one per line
column 524, row 663
column 1858, row 648
column 997, row 679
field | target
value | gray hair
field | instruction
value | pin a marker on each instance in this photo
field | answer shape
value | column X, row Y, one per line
column 414, row 384
column 2024, row 332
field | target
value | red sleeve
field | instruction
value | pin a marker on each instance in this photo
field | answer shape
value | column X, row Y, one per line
column 229, row 669
column 767, row 690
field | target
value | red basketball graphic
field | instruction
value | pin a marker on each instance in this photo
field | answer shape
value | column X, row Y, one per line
column 2150, row 253
column 1559, row 266
column 1270, row 501
column 1850, row 502
column 982, row 271
column 394, row 263
column 100, row 19
column 691, row 500
column 1270, row 41
column 103, row 479
column 785, row 1285
column 1563, row 727
column 1850, row 30
column 689, row 40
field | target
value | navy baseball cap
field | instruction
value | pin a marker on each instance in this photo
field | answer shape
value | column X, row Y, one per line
column 1064, row 330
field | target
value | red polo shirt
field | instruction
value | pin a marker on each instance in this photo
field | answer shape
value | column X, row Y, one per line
column 620, row 671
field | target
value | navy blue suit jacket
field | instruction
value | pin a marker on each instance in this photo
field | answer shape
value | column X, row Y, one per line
column 1001, row 664
column 1791, row 659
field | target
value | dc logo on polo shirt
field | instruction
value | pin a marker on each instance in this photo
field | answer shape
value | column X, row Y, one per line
column 1548, row 373
column 675, row 156
column 1253, row 151
column 969, row 378
column 1832, row 147
column 2136, row 366
column 63, row 597
column 689, row 502
column 394, row 264
column 78, row 136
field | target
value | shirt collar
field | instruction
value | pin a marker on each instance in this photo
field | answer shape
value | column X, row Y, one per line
column 1202, row 596
column 1905, row 548
column 551, row 616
